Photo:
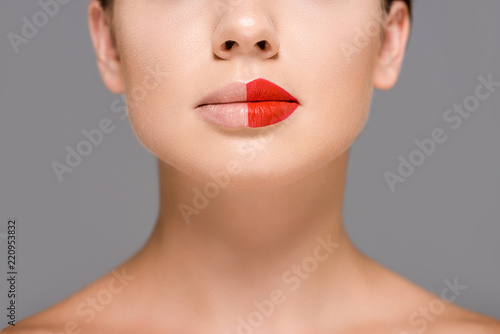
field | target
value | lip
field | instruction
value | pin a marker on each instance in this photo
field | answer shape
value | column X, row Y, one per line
column 255, row 104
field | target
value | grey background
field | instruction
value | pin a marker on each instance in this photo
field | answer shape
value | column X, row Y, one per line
column 443, row 222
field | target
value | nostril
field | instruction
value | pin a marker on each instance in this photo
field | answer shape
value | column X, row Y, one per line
column 262, row 45
column 229, row 44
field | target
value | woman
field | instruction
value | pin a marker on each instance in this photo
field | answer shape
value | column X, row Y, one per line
column 251, row 108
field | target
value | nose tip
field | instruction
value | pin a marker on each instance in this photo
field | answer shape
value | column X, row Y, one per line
column 245, row 30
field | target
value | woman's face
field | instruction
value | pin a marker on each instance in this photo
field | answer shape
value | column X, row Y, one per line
column 328, row 54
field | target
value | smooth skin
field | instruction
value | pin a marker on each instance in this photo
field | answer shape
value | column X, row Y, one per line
column 275, row 232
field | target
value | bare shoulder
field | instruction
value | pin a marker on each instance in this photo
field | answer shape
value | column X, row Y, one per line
column 461, row 321
column 440, row 314
column 407, row 308
column 32, row 326
column 20, row 330
column 48, row 321
column 81, row 312
column 53, row 320
column 433, row 315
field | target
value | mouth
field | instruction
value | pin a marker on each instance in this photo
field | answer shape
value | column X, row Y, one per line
column 247, row 101
column 258, row 103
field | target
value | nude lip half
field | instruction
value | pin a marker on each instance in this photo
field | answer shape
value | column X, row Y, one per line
column 255, row 104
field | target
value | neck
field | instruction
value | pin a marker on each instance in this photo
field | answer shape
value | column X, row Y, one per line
column 240, row 246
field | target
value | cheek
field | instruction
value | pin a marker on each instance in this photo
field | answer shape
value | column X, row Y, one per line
column 159, row 75
column 344, row 91
column 337, row 73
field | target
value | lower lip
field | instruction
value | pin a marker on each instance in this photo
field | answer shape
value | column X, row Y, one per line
column 248, row 114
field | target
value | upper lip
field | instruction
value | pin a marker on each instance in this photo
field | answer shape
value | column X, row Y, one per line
column 234, row 92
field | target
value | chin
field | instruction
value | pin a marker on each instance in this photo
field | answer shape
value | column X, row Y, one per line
column 259, row 163
column 251, row 158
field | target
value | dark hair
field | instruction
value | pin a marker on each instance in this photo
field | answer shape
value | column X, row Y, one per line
column 387, row 3
column 107, row 4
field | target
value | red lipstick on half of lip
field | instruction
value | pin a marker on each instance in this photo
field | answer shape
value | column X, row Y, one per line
column 255, row 104
column 268, row 103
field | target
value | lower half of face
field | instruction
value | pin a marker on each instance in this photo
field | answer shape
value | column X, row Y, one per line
column 322, row 52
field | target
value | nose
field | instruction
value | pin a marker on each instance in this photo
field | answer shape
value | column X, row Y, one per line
column 245, row 29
